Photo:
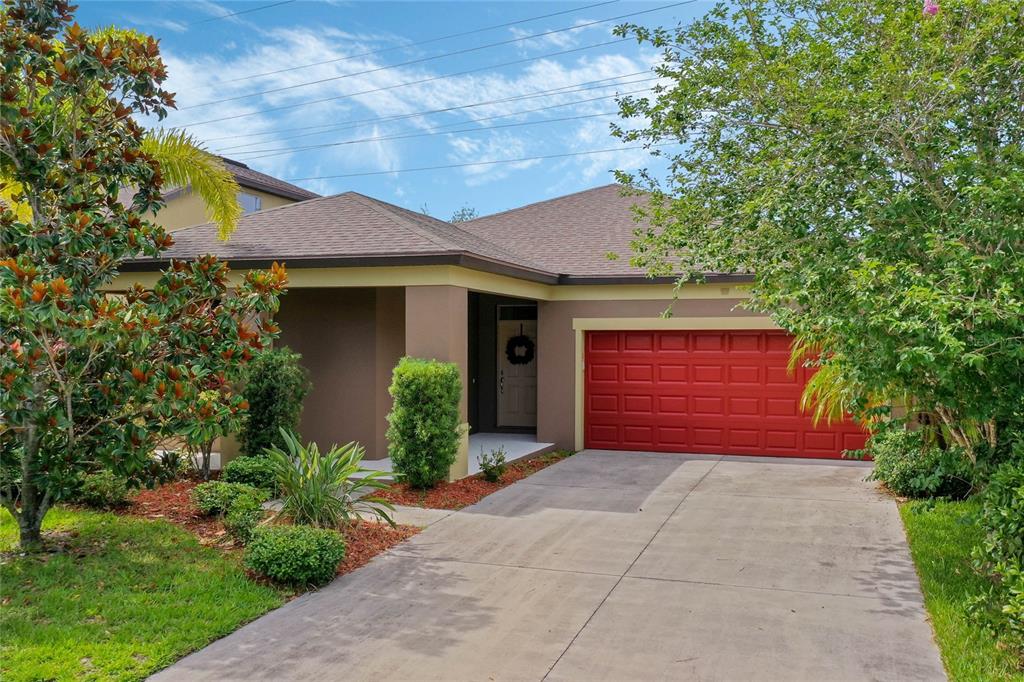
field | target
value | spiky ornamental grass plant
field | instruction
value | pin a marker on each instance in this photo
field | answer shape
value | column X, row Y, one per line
column 89, row 380
column 326, row 489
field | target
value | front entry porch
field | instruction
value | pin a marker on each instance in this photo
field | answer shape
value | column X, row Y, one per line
column 516, row 446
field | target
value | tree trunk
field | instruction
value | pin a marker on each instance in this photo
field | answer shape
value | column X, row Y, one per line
column 30, row 530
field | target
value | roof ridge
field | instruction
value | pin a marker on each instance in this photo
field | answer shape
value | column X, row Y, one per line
column 546, row 201
column 384, row 209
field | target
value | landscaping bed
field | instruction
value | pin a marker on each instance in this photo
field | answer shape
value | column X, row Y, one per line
column 173, row 502
column 941, row 535
column 467, row 491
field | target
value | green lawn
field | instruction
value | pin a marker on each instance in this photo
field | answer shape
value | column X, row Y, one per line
column 941, row 539
column 125, row 598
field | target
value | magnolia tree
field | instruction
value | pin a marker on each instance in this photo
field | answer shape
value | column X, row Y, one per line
column 91, row 377
column 864, row 160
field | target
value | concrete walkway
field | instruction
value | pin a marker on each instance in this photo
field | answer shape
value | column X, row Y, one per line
column 619, row 566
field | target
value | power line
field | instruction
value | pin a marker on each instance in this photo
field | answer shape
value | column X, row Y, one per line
column 244, row 11
column 421, row 42
column 239, row 149
column 474, row 163
column 328, row 127
column 422, row 60
column 403, row 136
column 405, row 84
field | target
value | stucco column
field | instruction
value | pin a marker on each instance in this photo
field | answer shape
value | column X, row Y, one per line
column 437, row 328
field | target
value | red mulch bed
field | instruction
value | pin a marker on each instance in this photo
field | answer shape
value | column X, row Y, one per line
column 366, row 539
column 467, row 491
column 173, row 502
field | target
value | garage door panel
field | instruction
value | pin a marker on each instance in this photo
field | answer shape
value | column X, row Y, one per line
column 718, row 392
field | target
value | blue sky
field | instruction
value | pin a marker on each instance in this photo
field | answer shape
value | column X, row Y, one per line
column 375, row 109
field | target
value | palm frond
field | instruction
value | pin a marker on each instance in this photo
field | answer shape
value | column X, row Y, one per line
column 184, row 162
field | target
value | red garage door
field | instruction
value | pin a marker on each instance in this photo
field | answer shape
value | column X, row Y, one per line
column 718, row 392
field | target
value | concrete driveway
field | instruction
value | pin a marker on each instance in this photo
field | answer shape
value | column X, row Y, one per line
column 619, row 566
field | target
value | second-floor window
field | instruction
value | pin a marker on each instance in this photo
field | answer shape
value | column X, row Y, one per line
column 249, row 202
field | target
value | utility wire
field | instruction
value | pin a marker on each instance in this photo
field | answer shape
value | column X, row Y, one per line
column 422, row 60
column 327, row 127
column 421, row 42
column 405, row 84
column 244, row 11
column 474, row 163
column 403, row 136
column 240, row 149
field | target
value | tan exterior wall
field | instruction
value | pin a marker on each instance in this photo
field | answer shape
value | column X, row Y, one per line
column 437, row 328
column 347, row 339
column 188, row 209
column 557, row 351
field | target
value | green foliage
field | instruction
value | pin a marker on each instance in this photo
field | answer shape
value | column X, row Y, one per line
column 92, row 380
column 168, row 466
column 326, row 489
column 216, row 497
column 242, row 518
column 259, row 472
column 864, row 162
column 103, row 490
column 295, row 555
column 1001, row 556
column 276, row 383
column 121, row 599
column 913, row 468
column 492, row 464
column 184, row 163
column 941, row 535
column 424, row 428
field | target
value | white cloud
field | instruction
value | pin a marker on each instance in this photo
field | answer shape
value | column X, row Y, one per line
column 204, row 78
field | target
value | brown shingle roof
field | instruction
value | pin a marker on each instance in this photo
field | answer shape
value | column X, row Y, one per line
column 349, row 228
column 247, row 177
column 571, row 235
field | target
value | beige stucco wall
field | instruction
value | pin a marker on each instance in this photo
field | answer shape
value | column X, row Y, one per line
column 556, row 350
column 349, row 340
column 188, row 209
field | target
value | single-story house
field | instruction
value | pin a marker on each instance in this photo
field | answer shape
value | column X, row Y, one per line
column 558, row 345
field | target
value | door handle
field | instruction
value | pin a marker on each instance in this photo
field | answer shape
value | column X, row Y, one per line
column 501, row 382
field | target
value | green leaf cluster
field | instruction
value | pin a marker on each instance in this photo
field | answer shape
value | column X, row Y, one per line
column 295, row 555
column 424, row 427
column 276, row 383
column 216, row 497
column 259, row 472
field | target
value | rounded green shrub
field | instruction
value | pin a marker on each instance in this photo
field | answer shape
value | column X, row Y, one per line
column 1001, row 556
column 295, row 555
column 243, row 517
column 912, row 468
column 275, row 386
column 255, row 471
column 103, row 490
column 424, row 427
column 216, row 497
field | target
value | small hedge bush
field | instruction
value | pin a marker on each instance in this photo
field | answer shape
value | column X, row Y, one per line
column 242, row 518
column 1001, row 556
column 275, row 386
column 295, row 555
column 216, row 497
column 911, row 468
column 424, row 427
column 492, row 464
column 255, row 471
column 103, row 490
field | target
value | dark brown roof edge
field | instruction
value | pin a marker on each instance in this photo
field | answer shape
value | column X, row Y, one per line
column 711, row 278
column 461, row 259
column 298, row 194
